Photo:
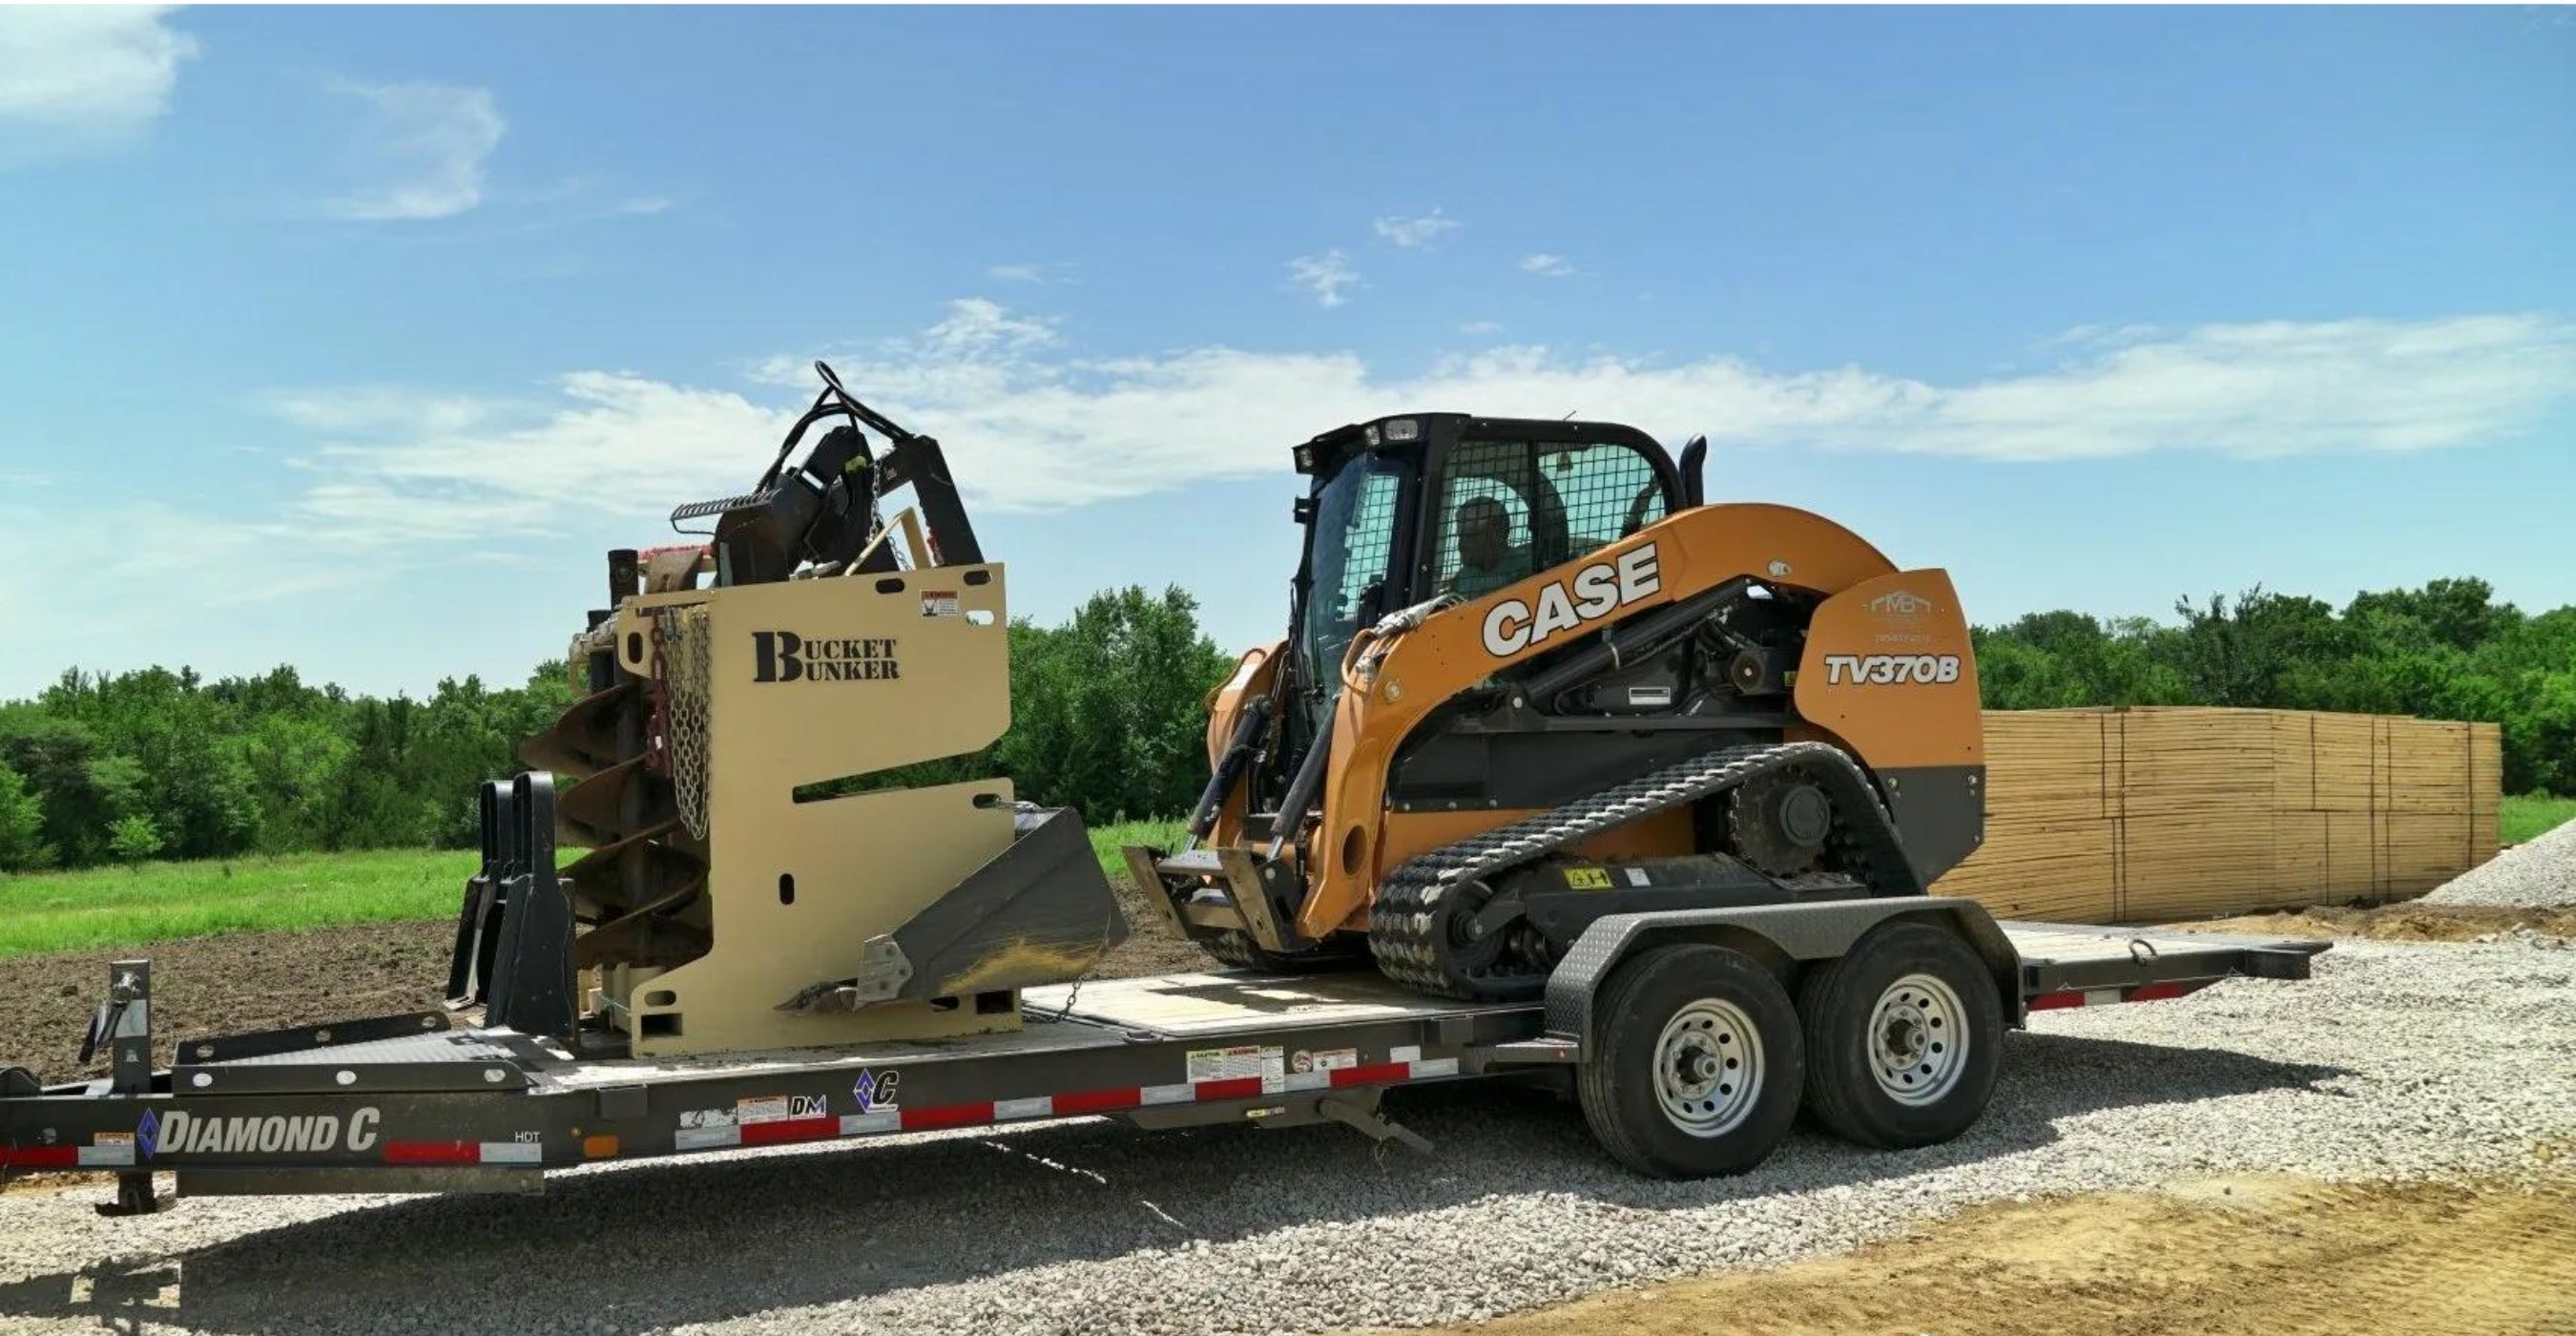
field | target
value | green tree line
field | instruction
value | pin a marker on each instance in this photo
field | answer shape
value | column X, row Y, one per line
column 1108, row 716
column 157, row 763
column 2446, row 651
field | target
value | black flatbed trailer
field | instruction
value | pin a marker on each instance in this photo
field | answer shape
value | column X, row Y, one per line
column 417, row 1103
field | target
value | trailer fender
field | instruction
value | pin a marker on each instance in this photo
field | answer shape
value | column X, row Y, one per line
column 1783, row 936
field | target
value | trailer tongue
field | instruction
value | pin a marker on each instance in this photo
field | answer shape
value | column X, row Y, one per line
column 417, row 1103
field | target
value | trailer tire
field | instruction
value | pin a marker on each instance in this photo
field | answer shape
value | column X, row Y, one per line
column 1904, row 1036
column 1699, row 1064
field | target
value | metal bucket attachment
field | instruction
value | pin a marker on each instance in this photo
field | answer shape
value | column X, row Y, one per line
column 1040, row 912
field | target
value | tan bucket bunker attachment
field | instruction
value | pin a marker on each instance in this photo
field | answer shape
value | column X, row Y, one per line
column 761, row 871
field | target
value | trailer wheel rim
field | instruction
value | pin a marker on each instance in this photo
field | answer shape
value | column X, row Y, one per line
column 1708, row 1067
column 1918, row 1039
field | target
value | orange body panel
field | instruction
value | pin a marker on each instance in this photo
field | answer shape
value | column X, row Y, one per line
column 1249, row 681
column 1889, row 674
column 1676, row 557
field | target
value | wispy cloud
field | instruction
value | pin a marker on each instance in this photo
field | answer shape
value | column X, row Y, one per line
column 1036, row 426
column 1416, row 233
column 1546, row 266
column 74, row 77
column 424, row 151
column 1480, row 328
column 1032, row 425
column 1328, row 276
column 1031, row 272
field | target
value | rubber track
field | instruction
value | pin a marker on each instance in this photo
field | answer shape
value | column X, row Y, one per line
column 1406, row 922
column 1237, row 949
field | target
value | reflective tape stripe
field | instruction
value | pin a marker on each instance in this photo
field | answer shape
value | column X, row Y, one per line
column 1241, row 1087
column 40, row 1157
column 1098, row 1101
column 513, row 1152
column 1069, row 1104
column 953, row 1115
column 2103, row 997
column 778, row 1130
column 101, row 1156
column 433, row 1152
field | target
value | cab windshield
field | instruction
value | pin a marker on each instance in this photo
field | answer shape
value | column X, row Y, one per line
column 1354, row 546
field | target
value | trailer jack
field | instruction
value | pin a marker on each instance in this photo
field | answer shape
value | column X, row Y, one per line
column 123, row 1026
column 1362, row 1116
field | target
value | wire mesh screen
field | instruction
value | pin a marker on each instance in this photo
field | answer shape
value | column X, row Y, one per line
column 1370, row 547
column 689, row 677
column 1512, row 508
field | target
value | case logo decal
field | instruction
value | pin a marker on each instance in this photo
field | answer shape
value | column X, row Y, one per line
column 1565, row 605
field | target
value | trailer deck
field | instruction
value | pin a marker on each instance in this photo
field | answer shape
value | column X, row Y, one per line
column 413, row 1103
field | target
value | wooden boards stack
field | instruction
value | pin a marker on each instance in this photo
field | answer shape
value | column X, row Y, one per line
column 2149, row 814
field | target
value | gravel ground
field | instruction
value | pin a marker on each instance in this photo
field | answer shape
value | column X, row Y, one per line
column 2396, row 1061
column 2542, row 872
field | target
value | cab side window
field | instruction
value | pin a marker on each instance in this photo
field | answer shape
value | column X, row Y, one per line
column 1509, row 509
column 1609, row 492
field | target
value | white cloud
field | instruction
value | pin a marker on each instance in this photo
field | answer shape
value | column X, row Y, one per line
column 1416, row 233
column 1481, row 327
column 1329, row 276
column 1546, row 266
column 1034, row 428
column 604, row 442
column 1031, row 426
column 425, row 151
column 1018, row 273
column 79, row 75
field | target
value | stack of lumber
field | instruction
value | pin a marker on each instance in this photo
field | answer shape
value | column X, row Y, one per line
column 2149, row 814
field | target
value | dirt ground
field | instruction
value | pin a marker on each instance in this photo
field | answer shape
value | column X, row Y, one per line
column 259, row 981
column 2225, row 1257
column 2399, row 922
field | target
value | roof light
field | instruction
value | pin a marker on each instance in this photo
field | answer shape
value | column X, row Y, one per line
column 1404, row 429
column 1370, row 434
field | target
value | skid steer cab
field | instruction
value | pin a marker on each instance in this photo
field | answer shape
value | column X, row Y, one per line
column 1532, row 679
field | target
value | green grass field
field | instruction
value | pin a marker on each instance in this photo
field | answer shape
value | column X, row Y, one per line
column 2520, row 819
column 119, row 907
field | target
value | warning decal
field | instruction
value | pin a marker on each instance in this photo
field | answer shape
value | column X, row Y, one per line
column 1243, row 1061
column 939, row 603
column 1324, row 1060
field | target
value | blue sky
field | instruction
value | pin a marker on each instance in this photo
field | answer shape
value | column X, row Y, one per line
column 350, row 338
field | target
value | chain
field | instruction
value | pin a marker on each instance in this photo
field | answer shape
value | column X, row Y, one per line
column 687, row 682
